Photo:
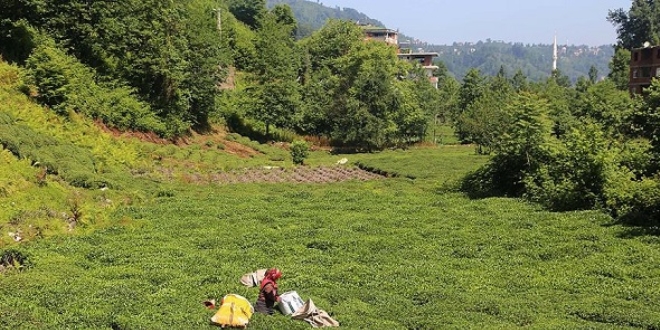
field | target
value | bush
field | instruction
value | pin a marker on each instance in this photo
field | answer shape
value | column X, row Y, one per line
column 14, row 259
column 636, row 156
column 634, row 202
column 299, row 151
column 575, row 174
column 64, row 84
column 503, row 175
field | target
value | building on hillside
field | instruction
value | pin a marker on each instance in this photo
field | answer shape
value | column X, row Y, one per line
column 387, row 36
column 423, row 58
column 644, row 66
column 405, row 52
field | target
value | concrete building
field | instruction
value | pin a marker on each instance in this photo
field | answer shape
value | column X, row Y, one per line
column 644, row 66
column 387, row 36
column 423, row 58
column 404, row 51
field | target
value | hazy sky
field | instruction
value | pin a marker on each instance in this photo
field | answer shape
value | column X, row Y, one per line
column 527, row 21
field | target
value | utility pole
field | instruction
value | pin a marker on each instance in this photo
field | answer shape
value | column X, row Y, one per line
column 218, row 13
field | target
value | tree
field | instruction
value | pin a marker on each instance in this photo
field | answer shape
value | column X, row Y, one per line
column 620, row 68
column 593, row 74
column 604, row 104
column 560, row 78
column 448, row 96
column 520, row 150
column 519, row 81
column 205, row 56
column 248, row 11
column 646, row 120
column 274, row 90
column 333, row 41
column 483, row 119
column 471, row 90
column 284, row 17
column 638, row 25
column 366, row 120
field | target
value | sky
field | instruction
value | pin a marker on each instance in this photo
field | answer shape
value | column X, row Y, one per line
column 579, row 22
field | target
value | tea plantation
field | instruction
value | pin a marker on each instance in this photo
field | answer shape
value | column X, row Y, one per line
column 135, row 235
column 395, row 253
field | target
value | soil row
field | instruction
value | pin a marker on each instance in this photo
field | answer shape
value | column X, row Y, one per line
column 296, row 175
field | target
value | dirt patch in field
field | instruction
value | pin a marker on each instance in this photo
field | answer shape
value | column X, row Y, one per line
column 324, row 174
column 142, row 136
column 217, row 136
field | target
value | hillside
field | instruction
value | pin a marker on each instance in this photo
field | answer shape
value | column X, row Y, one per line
column 169, row 234
column 535, row 60
column 311, row 16
column 104, row 226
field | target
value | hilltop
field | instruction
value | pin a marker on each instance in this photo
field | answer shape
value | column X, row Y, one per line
column 534, row 60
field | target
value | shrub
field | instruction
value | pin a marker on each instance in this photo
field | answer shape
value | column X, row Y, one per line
column 636, row 156
column 65, row 84
column 634, row 202
column 299, row 151
column 14, row 259
column 575, row 174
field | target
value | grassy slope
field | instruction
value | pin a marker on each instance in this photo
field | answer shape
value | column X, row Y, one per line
column 379, row 254
column 394, row 253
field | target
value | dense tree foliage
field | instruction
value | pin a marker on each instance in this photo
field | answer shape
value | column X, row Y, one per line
column 333, row 84
column 248, row 11
column 533, row 60
column 566, row 147
column 169, row 52
column 570, row 146
column 637, row 25
column 568, row 139
column 274, row 91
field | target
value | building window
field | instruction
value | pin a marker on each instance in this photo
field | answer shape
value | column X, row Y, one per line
column 657, row 72
column 635, row 74
column 647, row 54
column 646, row 72
column 658, row 54
column 636, row 56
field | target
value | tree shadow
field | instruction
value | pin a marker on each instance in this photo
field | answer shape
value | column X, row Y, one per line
column 638, row 224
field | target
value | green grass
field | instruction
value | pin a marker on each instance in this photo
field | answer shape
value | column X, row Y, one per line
column 381, row 254
column 401, row 253
column 442, row 134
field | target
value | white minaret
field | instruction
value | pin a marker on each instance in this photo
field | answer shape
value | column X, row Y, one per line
column 554, row 55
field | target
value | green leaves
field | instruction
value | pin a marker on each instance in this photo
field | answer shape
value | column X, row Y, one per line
column 168, row 53
column 299, row 151
column 638, row 24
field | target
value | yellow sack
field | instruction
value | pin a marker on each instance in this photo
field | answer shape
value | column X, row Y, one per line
column 235, row 312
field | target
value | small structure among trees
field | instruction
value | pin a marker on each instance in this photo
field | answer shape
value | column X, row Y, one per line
column 644, row 66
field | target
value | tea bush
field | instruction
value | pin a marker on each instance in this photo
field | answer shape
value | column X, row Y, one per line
column 299, row 151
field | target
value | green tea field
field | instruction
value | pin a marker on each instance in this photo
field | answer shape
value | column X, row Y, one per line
column 405, row 252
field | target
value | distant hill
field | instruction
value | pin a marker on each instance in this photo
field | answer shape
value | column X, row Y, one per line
column 312, row 15
column 535, row 60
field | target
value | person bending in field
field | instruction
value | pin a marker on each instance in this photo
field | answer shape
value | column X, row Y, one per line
column 268, row 292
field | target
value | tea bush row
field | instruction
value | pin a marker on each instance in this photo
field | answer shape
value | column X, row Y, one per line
column 376, row 254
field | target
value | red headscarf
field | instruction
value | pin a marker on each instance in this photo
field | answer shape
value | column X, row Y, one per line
column 271, row 276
